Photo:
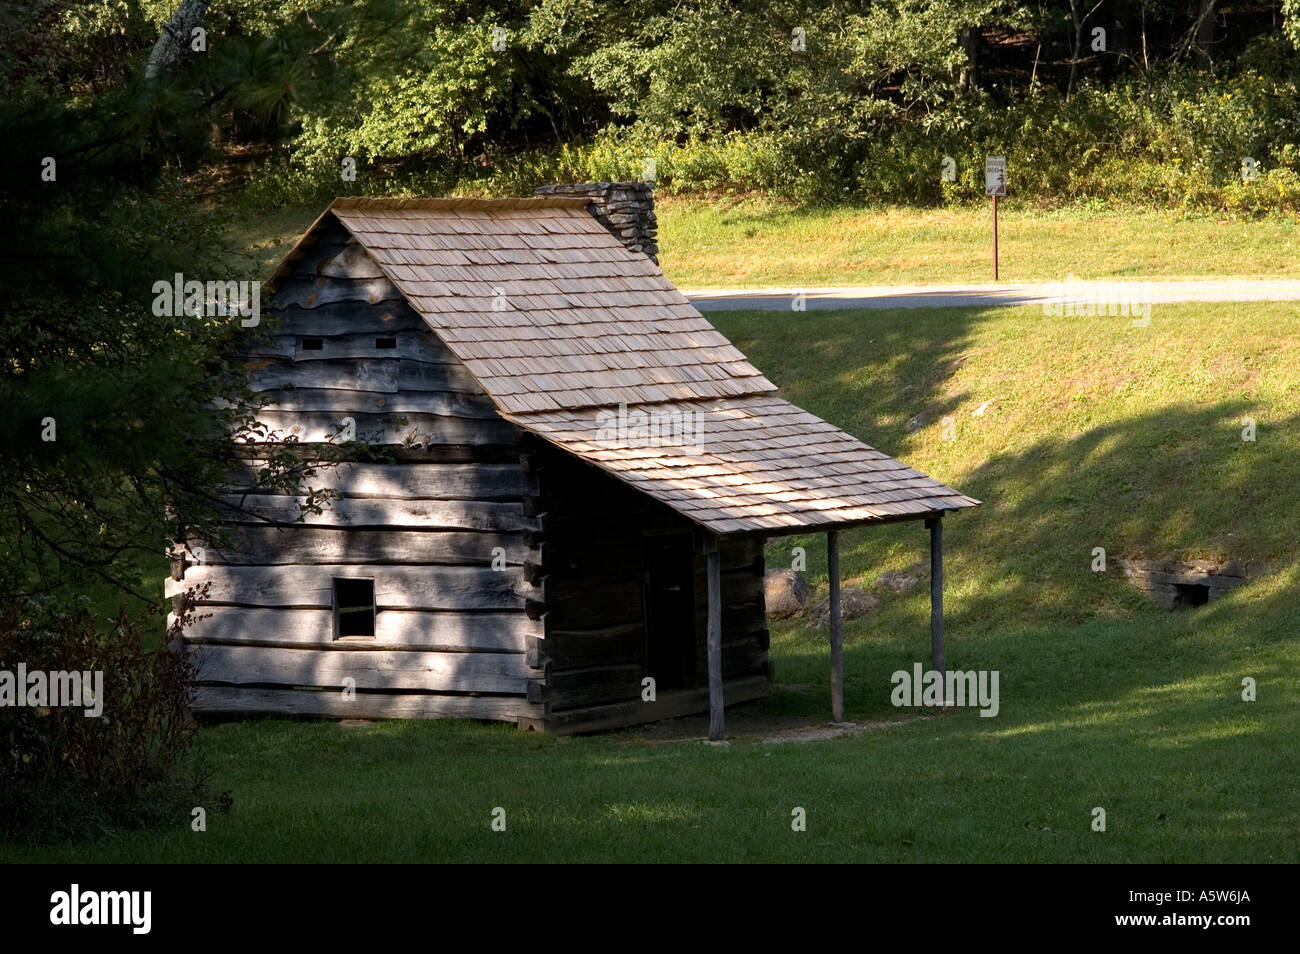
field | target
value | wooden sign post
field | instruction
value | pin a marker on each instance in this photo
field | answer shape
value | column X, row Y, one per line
column 995, row 184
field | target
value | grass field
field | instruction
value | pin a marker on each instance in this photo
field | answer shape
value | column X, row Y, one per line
column 757, row 243
column 1093, row 433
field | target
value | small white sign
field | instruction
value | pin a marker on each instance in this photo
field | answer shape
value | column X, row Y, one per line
column 995, row 175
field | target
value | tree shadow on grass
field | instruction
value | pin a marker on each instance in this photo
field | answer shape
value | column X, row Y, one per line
column 885, row 367
column 1021, row 593
column 1176, row 483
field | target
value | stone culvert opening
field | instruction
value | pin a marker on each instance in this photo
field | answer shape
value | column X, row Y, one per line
column 1180, row 585
column 1190, row 594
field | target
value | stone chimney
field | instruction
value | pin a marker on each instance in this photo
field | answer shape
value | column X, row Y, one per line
column 627, row 209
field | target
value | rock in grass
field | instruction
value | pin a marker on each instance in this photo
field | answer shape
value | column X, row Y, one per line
column 786, row 593
column 896, row 581
column 853, row 604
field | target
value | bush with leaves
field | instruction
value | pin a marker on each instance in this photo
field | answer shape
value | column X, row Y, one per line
column 65, row 775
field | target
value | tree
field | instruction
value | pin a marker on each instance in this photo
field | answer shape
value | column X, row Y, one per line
column 174, row 40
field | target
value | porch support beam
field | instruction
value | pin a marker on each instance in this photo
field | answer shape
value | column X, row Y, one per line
column 837, row 649
column 716, row 720
column 936, row 597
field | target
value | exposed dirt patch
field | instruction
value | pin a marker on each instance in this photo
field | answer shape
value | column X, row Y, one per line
column 835, row 730
column 346, row 724
column 749, row 726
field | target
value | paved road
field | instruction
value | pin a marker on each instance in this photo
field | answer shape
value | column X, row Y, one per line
column 943, row 296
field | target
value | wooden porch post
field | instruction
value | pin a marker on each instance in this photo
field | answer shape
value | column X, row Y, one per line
column 837, row 653
column 716, row 721
column 936, row 597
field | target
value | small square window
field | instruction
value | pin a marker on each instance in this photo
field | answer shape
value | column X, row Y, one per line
column 313, row 344
column 354, row 608
column 386, row 344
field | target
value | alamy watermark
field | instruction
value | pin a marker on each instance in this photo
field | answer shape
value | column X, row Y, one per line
column 668, row 426
column 180, row 297
column 77, row 907
column 1073, row 298
column 923, row 687
column 39, row 688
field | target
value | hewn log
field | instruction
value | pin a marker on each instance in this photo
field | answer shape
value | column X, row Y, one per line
column 602, row 602
column 415, row 481
column 583, row 648
column 582, row 687
column 316, row 427
column 738, row 587
column 352, row 261
column 740, row 617
column 232, row 701
column 667, row 705
column 747, row 636
column 600, row 555
column 343, row 403
column 741, row 555
column 371, row 669
column 408, row 346
column 394, row 629
column 573, row 515
column 534, row 572
column 345, row 318
column 385, row 375
column 307, row 291
column 535, row 652
column 396, row 587
column 380, row 512
column 269, row 546
column 743, row 661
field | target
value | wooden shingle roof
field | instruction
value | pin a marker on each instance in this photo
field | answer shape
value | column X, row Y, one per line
column 561, row 324
column 749, row 464
column 544, row 307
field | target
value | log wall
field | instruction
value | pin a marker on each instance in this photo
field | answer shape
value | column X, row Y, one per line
column 593, row 599
column 509, row 577
column 442, row 532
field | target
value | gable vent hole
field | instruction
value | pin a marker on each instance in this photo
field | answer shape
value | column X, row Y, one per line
column 313, row 344
column 385, row 343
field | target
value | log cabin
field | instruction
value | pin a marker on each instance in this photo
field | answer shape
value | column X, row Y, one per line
column 567, row 530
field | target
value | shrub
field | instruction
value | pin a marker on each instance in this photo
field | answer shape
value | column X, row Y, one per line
column 1176, row 139
column 67, row 776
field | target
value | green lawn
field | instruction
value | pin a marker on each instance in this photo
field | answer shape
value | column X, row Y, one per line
column 1096, row 433
column 760, row 244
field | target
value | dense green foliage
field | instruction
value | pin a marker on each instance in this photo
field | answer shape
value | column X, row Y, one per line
column 866, row 108
column 106, row 399
column 66, row 775
column 821, row 101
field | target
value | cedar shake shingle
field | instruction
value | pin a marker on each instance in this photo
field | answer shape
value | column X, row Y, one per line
column 560, row 323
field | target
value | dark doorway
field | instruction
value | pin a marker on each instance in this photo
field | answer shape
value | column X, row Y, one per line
column 1191, row 594
column 670, row 610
